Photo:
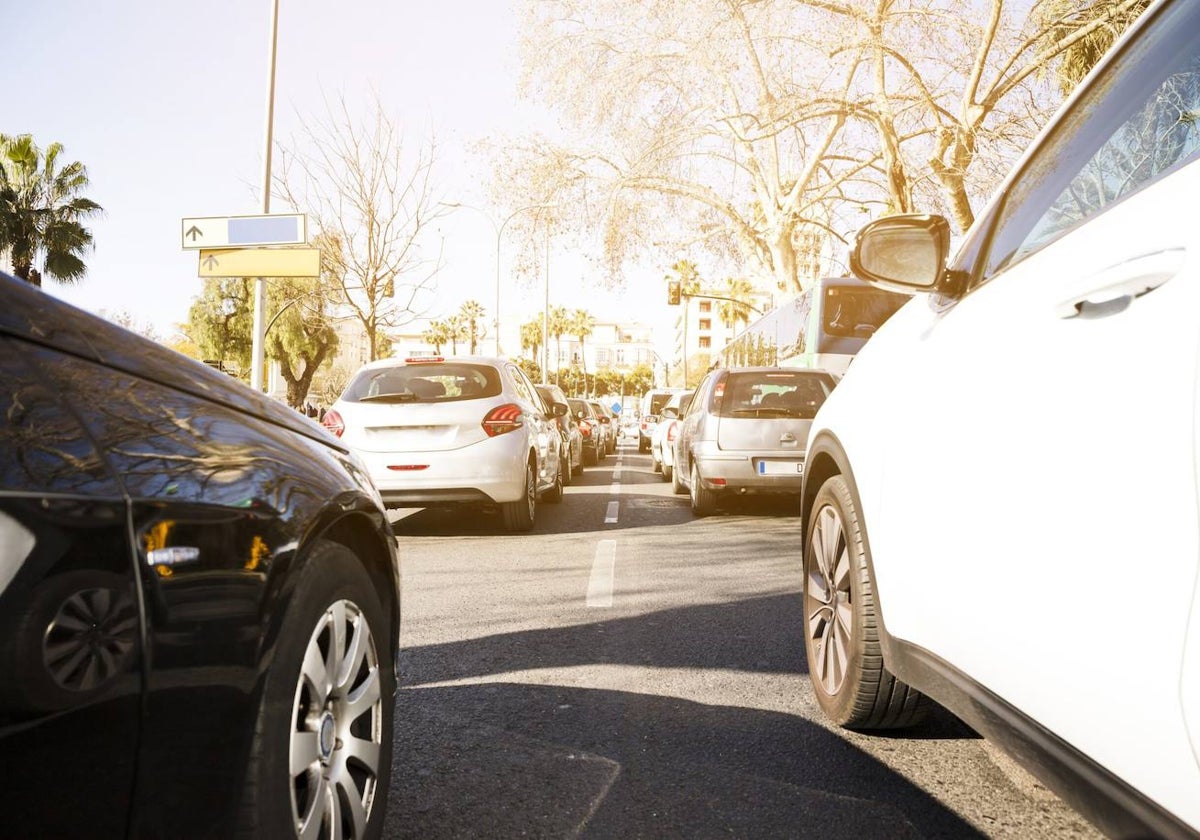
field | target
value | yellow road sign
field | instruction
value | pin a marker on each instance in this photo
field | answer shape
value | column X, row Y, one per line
column 260, row 262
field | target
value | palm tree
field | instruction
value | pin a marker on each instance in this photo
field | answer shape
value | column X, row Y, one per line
column 582, row 323
column 1064, row 17
column 41, row 211
column 437, row 334
column 456, row 329
column 559, row 325
column 531, row 338
column 472, row 313
column 737, row 311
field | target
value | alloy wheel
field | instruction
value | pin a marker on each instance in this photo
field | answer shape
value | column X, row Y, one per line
column 337, row 728
column 827, row 601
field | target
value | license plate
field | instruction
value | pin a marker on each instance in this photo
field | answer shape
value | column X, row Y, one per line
column 780, row 467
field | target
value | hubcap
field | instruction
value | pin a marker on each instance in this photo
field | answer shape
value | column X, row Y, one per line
column 827, row 601
column 337, row 730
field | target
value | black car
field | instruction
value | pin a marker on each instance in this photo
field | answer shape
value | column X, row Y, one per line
column 199, row 597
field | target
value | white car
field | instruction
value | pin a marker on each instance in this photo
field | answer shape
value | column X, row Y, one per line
column 438, row 431
column 1000, row 499
column 662, row 440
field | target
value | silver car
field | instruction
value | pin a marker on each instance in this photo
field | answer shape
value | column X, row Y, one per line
column 745, row 433
column 437, row 431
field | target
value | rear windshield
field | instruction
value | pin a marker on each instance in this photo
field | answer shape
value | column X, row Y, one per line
column 775, row 393
column 657, row 401
column 579, row 407
column 854, row 312
column 424, row 383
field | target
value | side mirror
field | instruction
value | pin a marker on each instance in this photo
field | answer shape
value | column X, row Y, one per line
column 902, row 253
column 670, row 413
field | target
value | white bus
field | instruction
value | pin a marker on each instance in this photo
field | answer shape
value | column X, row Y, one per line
column 823, row 327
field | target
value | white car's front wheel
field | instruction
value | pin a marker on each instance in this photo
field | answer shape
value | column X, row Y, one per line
column 841, row 632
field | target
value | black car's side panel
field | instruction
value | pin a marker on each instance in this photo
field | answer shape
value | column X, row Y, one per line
column 70, row 632
column 222, row 504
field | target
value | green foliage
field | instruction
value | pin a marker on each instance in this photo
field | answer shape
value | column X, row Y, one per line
column 220, row 320
column 532, row 369
column 42, row 213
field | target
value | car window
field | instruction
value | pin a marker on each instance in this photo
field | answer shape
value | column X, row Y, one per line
column 424, row 383
column 524, row 387
column 771, row 394
column 1138, row 121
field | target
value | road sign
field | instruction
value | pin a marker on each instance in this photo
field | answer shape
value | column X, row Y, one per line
column 239, row 231
column 616, row 408
column 261, row 262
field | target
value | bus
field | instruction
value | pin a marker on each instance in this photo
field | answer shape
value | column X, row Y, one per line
column 823, row 327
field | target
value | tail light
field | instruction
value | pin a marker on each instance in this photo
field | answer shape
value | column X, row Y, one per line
column 502, row 419
column 718, row 395
column 334, row 423
column 585, row 427
column 671, row 431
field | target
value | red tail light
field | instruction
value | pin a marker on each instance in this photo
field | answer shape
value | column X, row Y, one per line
column 334, row 422
column 502, row 419
column 671, row 430
column 585, row 428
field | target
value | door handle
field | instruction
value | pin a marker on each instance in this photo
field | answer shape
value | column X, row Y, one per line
column 1112, row 290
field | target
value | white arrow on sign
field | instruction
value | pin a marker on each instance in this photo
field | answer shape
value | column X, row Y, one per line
column 241, row 231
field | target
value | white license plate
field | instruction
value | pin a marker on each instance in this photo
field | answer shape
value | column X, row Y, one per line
column 780, row 467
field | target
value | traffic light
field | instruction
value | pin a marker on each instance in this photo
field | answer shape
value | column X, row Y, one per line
column 672, row 292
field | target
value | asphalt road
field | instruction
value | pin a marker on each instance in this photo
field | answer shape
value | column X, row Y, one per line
column 626, row 670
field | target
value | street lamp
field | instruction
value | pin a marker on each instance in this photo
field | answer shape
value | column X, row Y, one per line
column 499, row 228
column 258, row 354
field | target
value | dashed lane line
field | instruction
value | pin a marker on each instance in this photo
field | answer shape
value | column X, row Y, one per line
column 600, row 582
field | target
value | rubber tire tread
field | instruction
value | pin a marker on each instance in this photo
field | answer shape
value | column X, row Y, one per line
column 330, row 573
column 704, row 501
column 870, row 697
column 517, row 515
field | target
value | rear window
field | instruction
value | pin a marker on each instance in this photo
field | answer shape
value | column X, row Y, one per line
column 424, row 383
column 775, row 393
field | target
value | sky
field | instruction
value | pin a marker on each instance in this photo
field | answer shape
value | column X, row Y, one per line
column 165, row 103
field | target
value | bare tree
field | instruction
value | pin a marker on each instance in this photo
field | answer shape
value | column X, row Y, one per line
column 373, row 200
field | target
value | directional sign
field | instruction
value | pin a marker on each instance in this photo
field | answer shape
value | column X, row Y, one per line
column 261, row 262
column 238, row 231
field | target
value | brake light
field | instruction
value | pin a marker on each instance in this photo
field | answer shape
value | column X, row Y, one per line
column 416, row 360
column 585, row 427
column 407, row 467
column 718, row 395
column 671, row 430
column 502, row 419
column 334, row 422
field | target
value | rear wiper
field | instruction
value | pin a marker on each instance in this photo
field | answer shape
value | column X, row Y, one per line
column 403, row 396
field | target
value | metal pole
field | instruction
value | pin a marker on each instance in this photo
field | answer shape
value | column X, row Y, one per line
column 258, row 349
column 496, row 322
column 546, row 315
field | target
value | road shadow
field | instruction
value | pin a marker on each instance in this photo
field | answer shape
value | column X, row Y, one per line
column 515, row 760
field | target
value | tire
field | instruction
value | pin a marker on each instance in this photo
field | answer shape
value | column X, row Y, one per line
column 519, row 515
column 579, row 466
column 643, row 444
column 590, row 457
column 656, row 464
column 667, row 471
column 841, row 632
column 704, row 501
column 555, row 494
column 317, row 753
column 677, row 484
column 566, row 475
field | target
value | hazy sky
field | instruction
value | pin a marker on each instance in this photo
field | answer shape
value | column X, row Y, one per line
column 165, row 103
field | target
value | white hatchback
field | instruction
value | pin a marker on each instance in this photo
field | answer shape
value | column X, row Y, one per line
column 1000, row 499
column 438, row 431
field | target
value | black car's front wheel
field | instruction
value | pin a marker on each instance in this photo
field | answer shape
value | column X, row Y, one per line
column 322, row 754
column 841, row 636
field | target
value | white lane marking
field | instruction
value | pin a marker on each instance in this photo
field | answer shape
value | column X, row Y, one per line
column 617, row 473
column 610, row 518
column 600, row 583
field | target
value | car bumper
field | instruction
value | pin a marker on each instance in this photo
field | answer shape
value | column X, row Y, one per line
column 751, row 472
column 491, row 471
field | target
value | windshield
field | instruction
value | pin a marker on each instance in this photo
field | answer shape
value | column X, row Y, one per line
column 424, row 383
column 855, row 312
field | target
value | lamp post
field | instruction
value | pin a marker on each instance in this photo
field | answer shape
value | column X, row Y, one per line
column 258, row 355
column 499, row 229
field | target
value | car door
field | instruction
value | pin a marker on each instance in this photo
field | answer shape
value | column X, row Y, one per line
column 542, row 434
column 1040, row 514
column 70, row 633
